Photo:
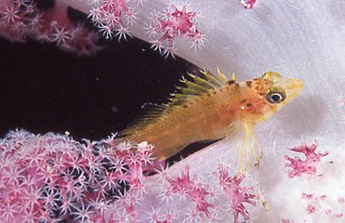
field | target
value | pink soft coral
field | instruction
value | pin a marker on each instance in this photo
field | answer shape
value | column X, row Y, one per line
column 22, row 19
column 189, row 188
column 307, row 166
column 46, row 178
column 172, row 24
column 112, row 16
column 237, row 195
column 53, row 178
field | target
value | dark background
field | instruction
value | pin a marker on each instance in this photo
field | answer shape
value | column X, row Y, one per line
column 44, row 89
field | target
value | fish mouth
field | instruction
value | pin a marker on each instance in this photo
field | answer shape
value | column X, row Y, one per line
column 293, row 87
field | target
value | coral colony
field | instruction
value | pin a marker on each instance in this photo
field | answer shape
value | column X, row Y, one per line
column 322, row 203
column 52, row 178
column 22, row 19
column 47, row 178
column 307, row 166
column 113, row 17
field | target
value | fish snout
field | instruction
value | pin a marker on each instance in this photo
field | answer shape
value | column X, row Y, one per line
column 293, row 87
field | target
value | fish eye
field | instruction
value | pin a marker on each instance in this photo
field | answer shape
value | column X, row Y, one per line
column 275, row 95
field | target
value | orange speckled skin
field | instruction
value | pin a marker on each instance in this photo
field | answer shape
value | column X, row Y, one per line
column 212, row 115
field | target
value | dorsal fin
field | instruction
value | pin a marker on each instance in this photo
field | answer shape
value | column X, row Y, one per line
column 197, row 86
column 149, row 112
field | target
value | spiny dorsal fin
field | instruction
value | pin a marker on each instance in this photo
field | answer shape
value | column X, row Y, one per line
column 198, row 86
column 149, row 112
column 191, row 88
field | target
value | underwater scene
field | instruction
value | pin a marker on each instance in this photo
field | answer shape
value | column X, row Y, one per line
column 169, row 111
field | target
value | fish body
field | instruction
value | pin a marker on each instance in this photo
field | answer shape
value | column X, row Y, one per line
column 210, row 107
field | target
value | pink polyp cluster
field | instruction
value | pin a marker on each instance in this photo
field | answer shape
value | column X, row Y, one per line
column 323, row 204
column 172, row 24
column 112, row 18
column 219, row 200
column 189, row 188
column 318, row 201
column 22, row 19
column 307, row 166
column 52, row 178
column 237, row 195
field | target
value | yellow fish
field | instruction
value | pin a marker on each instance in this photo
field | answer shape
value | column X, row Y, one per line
column 210, row 107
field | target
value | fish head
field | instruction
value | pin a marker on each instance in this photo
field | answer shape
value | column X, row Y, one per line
column 270, row 93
